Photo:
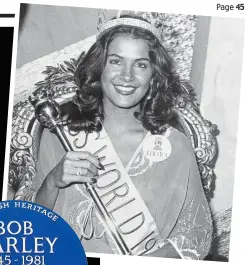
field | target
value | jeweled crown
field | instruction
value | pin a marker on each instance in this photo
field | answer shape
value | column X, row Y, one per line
column 134, row 22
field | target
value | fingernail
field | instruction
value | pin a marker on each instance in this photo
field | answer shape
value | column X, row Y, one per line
column 101, row 166
column 93, row 180
column 101, row 158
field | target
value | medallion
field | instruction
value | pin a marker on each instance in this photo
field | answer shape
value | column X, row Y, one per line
column 157, row 148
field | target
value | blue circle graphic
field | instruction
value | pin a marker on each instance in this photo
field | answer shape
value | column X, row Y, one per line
column 31, row 234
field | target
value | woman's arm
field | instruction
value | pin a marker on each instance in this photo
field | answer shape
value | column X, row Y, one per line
column 54, row 173
column 50, row 153
column 47, row 193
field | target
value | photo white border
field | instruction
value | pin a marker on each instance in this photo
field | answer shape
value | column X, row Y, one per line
column 239, row 234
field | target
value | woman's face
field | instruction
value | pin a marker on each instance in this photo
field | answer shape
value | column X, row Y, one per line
column 127, row 73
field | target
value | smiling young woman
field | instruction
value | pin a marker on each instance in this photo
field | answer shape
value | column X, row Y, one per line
column 143, row 169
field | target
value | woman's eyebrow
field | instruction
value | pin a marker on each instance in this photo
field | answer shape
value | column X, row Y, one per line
column 136, row 60
column 114, row 54
column 142, row 59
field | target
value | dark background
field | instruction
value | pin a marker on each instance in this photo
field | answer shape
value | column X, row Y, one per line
column 6, row 44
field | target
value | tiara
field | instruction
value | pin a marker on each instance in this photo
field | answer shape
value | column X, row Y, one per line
column 134, row 22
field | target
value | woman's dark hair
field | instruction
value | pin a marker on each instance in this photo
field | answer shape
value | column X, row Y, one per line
column 156, row 109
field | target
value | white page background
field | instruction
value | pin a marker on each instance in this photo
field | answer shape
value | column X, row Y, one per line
column 239, row 234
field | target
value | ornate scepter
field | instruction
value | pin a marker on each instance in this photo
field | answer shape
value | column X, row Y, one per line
column 48, row 113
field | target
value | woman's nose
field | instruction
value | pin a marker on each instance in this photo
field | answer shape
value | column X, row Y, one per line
column 126, row 73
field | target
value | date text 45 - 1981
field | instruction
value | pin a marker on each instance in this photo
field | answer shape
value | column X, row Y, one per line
column 228, row 8
column 23, row 260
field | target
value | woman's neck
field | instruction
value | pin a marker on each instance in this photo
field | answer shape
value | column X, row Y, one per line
column 120, row 119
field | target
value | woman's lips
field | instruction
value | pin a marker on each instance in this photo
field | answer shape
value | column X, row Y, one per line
column 125, row 90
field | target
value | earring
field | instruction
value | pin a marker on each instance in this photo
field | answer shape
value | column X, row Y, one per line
column 151, row 83
column 151, row 88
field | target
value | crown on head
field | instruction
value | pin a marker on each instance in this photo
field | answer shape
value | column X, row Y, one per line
column 134, row 22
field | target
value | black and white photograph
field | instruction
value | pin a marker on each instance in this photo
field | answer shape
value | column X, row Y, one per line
column 125, row 123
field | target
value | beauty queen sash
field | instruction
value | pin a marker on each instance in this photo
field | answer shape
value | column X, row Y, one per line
column 119, row 195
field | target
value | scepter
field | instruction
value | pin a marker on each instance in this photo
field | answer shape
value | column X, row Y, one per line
column 48, row 113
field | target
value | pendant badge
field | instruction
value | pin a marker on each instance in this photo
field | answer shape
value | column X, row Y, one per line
column 157, row 148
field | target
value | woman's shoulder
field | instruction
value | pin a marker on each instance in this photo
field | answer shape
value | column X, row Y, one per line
column 180, row 141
